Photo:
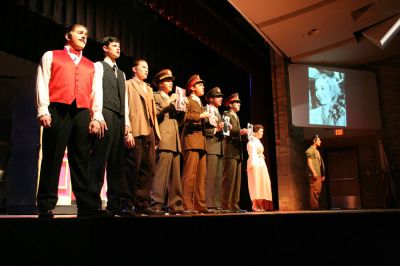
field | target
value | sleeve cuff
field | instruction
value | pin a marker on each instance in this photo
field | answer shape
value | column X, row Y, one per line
column 44, row 110
column 98, row 116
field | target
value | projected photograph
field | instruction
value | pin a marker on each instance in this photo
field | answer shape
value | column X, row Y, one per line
column 327, row 99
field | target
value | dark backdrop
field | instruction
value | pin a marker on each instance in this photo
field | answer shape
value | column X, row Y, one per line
column 189, row 37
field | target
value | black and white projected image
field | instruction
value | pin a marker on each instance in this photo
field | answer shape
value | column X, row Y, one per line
column 327, row 101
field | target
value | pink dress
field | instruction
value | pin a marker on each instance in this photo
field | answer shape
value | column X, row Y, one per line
column 257, row 172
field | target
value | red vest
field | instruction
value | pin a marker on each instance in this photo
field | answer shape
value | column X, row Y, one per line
column 70, row 82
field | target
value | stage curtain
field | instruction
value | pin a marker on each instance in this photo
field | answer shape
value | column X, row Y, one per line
column 129, row 19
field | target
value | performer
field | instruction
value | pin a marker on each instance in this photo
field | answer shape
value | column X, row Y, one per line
column 140, row 141
column 168, row 166
column 64, row 87
column 195, row 149
column 215, row 150
column 316, row 172
column 233, row 157
column 108, row 148
column 257, row 173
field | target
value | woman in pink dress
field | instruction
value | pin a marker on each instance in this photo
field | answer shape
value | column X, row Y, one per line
column 257, row 173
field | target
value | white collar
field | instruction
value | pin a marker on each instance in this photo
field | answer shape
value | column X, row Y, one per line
column 109, row 62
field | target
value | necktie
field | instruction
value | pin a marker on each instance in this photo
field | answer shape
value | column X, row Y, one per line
column 115, row 69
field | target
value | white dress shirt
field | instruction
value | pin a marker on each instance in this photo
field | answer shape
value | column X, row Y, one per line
column 98, row 80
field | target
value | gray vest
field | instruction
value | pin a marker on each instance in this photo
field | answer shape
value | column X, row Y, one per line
column 113, row 89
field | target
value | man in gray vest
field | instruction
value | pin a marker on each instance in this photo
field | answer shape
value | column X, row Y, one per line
column 108, row 146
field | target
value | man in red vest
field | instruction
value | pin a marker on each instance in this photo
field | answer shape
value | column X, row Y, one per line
column 66, row 99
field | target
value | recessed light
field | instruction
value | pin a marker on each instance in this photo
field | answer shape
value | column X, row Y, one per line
column 313, row 32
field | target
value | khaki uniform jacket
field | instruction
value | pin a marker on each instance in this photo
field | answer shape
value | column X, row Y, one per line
column 142, row 109
column 233, row 145
column 193, row 136
column 169, row 121
column 215, row 141
column 317, row 161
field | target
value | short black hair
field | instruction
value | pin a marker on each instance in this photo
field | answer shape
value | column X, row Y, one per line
column 109, row 39
column 69, row 29
column 137, row 61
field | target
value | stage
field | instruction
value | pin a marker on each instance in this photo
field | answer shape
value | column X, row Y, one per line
column 331, row 237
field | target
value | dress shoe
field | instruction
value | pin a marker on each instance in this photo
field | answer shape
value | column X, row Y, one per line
column 209, row 211
column 191, row 212
column 151, row 212
column 126, row 213
column 122, row 213
column 179, row 212
column 46, row 214
column 93, row 213
column 222, row 210
column 238, row 211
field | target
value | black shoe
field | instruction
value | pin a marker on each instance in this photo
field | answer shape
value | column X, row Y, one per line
column 151, row 212
column 93, row 214
column 46, row 214
column 125, row 213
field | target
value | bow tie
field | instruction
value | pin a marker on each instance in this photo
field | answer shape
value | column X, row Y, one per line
column 72, row 51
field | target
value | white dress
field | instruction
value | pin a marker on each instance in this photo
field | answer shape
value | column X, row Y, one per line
column 257, row 172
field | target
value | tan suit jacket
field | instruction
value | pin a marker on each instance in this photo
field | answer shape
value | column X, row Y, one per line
column 142, row 109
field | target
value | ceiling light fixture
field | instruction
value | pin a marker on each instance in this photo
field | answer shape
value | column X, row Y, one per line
column 313, row 32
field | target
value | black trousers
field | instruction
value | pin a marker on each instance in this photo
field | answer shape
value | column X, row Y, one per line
column 69, row 129
column 139, row 172
column 108, row 153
